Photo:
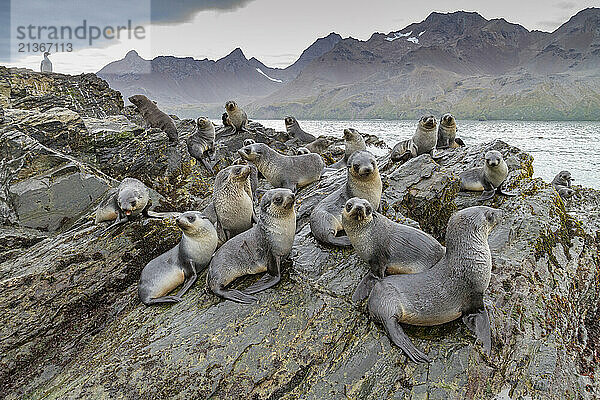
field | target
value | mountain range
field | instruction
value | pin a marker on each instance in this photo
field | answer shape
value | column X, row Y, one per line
column 458, row 62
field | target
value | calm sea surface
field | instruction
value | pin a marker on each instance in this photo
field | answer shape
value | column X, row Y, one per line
column 555, row 146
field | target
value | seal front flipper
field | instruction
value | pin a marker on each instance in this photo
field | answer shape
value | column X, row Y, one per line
column 190, row 281
column 271, row 278
column 501, row 191
column 119, row 221
column 479, row 323
column 364, row 288
column 486, row 195
column 207, row 165
column 399, row 338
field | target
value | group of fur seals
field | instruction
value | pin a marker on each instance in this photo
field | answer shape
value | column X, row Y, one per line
column 353, row 142
column 487, row 179
column 202, row 143
column 181, row 264
column 293, row 130
column 363, row 181
column 259, row 249
column 427, row 138
column 422, row 142
column 283, row 171
column 388, row 247
column 130, row 199
column 236, row 117
column 153, row 117
column 451, row 289
column 562, row 184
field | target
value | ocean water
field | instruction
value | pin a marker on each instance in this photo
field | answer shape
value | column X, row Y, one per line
column 555, row 146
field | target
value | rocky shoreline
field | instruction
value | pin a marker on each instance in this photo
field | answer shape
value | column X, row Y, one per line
column 73, row 327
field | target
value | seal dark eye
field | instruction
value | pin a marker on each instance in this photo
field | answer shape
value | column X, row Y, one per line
column 348, row 207
column 191, row 218
column 369, row 210
column 278, row 200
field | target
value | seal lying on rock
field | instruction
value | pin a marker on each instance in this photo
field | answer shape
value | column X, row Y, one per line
column 363, row 181
column 181, row 264
column 257, row 250
column 319, row 145
column 283, row 171
column 236, row 117
column 422, row 142
column 488, row 178
column 353, row 141
column 293, row 130
column 446, row 135
column 202, row 142
column 154, row 117
column 387, row 246
column 562, row 184
column 130, row 199
column 451, row 289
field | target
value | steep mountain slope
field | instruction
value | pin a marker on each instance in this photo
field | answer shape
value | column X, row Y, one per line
column 174, row 81
column 458, row 61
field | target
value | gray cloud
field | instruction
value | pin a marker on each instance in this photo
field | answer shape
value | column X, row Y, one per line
column 565, row 5
column 177, row 11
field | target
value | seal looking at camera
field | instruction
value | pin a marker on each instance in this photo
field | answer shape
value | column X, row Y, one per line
column 181, row 264
column 387, row 246
column 259, row 249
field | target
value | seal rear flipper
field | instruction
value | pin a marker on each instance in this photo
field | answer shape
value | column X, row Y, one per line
column 399, row 338
column 364, row 288
column 479, row 323
column 271, row 278
column 237, row 296
column 207, row 165
column 162, row 300
column 486, row 195
column 341, row 241
column 459, row 141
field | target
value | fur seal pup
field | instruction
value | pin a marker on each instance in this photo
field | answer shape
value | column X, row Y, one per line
column 232, row 199
column 562, row 184
column 153, row 117
column 387, row 246
column 319, row 145
column 283, row 171
column 488, row 178
column 292, row 127
column 446, row 135
column 257, row 250
column 130, row 199
column 451, row 289
column 181, row 264
column 422, row 142
column 363, row 181
column 202, row 143
column 302, row 150
column 236, row 117
column 353, row 141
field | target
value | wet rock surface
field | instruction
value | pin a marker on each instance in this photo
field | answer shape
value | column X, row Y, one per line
column 71, row 325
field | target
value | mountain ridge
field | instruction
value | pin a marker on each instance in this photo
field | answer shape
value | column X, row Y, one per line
column 459, row 62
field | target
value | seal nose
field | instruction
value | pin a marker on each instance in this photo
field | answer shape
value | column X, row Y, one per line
column 366, row 170
column 289, row 201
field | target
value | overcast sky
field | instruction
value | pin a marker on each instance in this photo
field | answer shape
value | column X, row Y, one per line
column 274, row 31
